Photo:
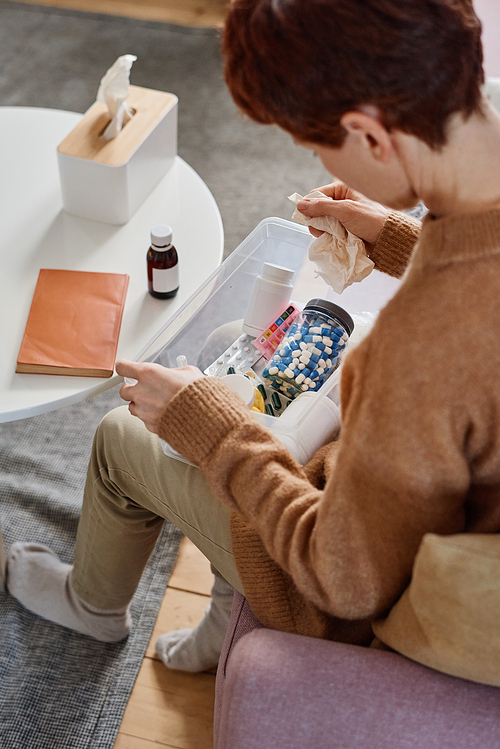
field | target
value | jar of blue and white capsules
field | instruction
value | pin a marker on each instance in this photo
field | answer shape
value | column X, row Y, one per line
column 311, row 349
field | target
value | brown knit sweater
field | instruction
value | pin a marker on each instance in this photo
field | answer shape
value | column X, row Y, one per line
column 324, row 549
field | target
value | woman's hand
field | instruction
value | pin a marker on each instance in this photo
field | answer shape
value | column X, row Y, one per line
column 155, row 387
column 359, row 215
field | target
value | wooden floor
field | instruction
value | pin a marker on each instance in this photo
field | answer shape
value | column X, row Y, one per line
column 184, row 12
column 170, row 708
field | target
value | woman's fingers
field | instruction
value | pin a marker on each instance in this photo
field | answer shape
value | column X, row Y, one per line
column 336, row 190
column 127, row 368
column 312, row 207
column 361, row 216
column 154, row 387
column 315, row 232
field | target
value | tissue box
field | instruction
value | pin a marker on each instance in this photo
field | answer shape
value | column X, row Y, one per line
column 107, row 180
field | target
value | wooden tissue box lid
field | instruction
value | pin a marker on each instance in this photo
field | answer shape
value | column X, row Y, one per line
column 85, row 141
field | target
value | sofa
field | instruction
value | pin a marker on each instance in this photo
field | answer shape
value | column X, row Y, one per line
column 282, row 691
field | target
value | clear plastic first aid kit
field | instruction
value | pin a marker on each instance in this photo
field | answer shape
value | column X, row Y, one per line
column 287, row 369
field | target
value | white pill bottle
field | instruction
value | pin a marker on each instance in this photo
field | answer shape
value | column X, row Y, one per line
column 270, row 296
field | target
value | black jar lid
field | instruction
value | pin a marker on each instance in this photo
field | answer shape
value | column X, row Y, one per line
column 332, row 310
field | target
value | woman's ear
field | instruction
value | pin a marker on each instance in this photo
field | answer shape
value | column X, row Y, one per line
column 366, row 131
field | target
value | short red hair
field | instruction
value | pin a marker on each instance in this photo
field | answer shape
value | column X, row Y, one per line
column 302, row 64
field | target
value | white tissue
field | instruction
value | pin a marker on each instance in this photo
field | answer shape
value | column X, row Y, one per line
column 113, row 90
column 340, row 256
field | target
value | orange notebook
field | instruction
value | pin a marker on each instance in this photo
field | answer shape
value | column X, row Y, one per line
column 73, row 324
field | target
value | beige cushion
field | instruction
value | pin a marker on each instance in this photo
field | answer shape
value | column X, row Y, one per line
column 449, row 616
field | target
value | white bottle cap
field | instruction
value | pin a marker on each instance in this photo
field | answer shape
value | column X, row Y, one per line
column 161, row 235
column 277, row 273
column 241, row 385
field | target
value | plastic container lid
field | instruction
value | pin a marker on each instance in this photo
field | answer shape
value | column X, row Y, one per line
column 242, row 386
column 277, row 273
column 161, row 235
column 332, row 310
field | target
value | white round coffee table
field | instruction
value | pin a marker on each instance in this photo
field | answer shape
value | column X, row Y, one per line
column 35, row 232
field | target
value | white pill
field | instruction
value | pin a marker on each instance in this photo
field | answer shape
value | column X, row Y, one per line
column 317, row 338
column 288, row 372
column 220, row 361
column 308, row 381
column 313, row 331
column 327, row 341
column 328, row 351
column 227, row 353
column 304, row 386
column 328, row 363
column 296, row 353
column 273, row 370
column 297, row 336
column 322, row 363
column 302, row 365
column 316, row 351
column 321, row 370
column 239, row 356
column 300, row 378
column 303, row 346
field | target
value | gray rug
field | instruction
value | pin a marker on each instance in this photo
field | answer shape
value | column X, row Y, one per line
column 58, row 689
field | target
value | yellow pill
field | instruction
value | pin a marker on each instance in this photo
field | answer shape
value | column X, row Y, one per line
column 258, row 404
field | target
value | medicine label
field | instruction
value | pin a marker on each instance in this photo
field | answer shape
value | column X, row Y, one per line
column 165, row 279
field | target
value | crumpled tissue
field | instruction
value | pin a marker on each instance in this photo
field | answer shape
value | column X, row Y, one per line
column 113, row 90
column 340, row 256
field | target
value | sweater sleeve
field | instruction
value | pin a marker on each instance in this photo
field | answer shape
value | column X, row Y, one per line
column 350, row 547
column 395, row 244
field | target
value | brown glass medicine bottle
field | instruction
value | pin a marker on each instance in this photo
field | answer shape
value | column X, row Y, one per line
column 163, row 264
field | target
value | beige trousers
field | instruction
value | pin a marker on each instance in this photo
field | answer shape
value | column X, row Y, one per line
column 132, row 486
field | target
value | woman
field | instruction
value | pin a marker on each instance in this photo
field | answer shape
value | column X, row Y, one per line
column 388, row 94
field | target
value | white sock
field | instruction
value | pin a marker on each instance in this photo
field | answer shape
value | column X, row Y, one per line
column 42, row 583
column 199, row 649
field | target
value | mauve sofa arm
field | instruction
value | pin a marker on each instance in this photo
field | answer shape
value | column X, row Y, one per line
column 284, row 691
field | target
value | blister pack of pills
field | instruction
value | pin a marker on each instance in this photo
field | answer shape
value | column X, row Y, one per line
column 274, row 403
column 241, row 356
column 243, row 359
